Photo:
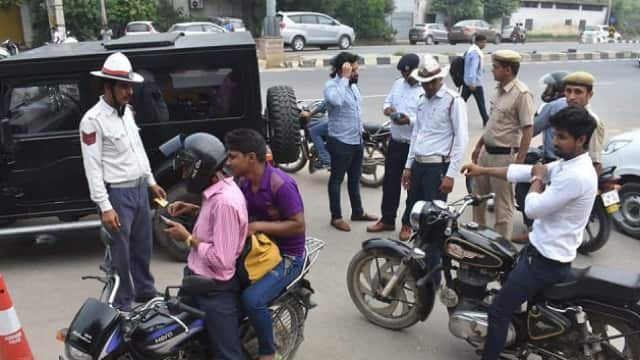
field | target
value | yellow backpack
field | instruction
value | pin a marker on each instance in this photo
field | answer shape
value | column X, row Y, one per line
column 259, row 256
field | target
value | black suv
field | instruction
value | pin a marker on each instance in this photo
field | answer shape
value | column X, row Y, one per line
column 203, row 82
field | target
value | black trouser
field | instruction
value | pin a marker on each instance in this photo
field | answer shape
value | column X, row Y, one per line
column 533, row 273
column 391, row 186
column 478, row 94
column 345, row 159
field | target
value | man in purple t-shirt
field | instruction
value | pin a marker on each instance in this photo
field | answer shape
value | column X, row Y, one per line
column 275, row 208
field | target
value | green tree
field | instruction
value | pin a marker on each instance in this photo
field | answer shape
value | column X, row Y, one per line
column 496, row 9
column 4, row 4
column 627, row 14
column 456, row 10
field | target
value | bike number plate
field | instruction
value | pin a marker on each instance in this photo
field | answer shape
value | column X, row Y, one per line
column 610, row 198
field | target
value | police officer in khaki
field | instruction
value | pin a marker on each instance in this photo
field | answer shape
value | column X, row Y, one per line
column 120, row 178
column 578, row 92
column 506, row 138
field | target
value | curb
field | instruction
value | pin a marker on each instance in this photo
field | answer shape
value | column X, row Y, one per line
column 371, row 60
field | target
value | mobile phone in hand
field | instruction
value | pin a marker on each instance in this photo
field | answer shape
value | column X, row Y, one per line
column 166, row 220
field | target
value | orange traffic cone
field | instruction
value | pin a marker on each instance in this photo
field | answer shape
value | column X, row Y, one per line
column 13, row 342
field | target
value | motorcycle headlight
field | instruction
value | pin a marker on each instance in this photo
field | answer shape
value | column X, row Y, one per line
column 416, row 213
column 75, row 354
column 615, row 145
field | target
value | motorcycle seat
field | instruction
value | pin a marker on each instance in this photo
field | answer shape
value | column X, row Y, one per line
column 597, row 283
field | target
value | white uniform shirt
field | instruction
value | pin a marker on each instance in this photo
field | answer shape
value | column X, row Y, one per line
column 404, row 98
column 440, row 129
column 112, row 151
column 562, row 210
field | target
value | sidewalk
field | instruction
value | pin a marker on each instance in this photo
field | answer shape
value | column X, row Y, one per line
column 322, row 61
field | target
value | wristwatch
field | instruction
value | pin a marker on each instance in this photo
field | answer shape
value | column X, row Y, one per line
column 534, row 178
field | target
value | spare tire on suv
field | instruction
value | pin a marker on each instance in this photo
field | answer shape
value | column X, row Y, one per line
column 283, row 125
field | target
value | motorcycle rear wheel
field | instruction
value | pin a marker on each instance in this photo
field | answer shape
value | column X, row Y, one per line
column 373, row 165
column 608, row 325
column 367, row 275
column 595, row 238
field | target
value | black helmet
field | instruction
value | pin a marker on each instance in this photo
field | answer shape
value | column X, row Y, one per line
column 199, row 158
column 554, row 86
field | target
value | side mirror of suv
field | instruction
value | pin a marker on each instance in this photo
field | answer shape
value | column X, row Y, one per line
column 335, row 22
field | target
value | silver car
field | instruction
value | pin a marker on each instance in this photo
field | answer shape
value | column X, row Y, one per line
column 429, row 33
column 196, row 27
column 299, row 29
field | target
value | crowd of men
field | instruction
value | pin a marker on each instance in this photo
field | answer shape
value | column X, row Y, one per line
column 429, row 140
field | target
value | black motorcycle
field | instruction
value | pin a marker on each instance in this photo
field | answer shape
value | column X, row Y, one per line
column 375, row 139
column 605, row 207
column 593, row 315
column 167, row 328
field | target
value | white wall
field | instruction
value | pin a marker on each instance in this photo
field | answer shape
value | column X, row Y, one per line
column 212, row 8
column 553, row 20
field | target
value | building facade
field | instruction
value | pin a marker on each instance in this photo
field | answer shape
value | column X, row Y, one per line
column 560, row 17
column 406, row 14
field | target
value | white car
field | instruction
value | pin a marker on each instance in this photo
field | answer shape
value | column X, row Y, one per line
column 594, row 34
column 623, row 152
column 299, row 29
column 140, row 28
column 196, row 28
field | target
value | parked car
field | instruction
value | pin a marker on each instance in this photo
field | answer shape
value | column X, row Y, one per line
column 465, row 31
column 237, row 24
column 299, row 29
column 623, row 152
column 431, row 33
column 140, row 28
column 196, row 28
column 595, row 34
column 209, row 82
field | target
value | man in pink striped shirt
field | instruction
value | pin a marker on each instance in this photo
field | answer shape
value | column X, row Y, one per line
column 217, row 239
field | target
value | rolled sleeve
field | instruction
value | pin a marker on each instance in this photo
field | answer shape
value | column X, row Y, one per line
column 525, row 109
column 518, row 173
column 555, row 197
column 335, row 93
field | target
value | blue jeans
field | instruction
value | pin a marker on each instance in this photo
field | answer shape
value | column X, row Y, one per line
column 425, row 185
column 317, row 130
column 132, row 245
column 256, row 298
column 345, row 159
column 531, row 275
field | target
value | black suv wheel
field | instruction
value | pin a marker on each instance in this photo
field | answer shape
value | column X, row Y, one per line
column 283, row 125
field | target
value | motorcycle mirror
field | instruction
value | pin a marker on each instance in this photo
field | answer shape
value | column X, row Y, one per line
column 171, row 146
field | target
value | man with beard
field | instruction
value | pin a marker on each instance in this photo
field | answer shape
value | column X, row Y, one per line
column 344, row 107
column 400, row 106
column 559, row 201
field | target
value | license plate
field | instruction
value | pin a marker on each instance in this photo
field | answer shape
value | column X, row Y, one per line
column 611, row 200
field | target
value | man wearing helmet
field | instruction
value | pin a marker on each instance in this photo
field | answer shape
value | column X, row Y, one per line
column 217, row 239
column 119, row 177
column 400, row 106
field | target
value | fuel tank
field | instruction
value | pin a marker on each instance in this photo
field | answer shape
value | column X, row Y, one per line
column 480, row 246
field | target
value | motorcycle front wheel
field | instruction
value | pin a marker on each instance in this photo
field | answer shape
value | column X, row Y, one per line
column 596, row 233
column 373, row 165
column 605, row 325
column 299, row 163
column 367, row 275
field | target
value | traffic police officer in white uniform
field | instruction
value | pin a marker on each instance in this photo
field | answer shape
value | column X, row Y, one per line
column 120, row 177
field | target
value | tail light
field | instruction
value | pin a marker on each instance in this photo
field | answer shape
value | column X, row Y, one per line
column 61, row 335
column 282, row 25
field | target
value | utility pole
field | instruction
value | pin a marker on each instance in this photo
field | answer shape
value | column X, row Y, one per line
column 609, row 14
column 103, row 14
column 55, row 11
column 271, row 26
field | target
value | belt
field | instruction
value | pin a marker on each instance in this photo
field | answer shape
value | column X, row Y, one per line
column 128, row 184
column 401, row 141
column 501, row 150
column 431, row 159
column 533, row 252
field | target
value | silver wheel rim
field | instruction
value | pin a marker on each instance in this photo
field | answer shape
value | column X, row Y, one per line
column 344, row 43
column 429, row 40
column 298, row 44
column 631, row 209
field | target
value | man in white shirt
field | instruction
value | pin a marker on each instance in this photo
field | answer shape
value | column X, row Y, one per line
column 400, row 106
column 560, row 201
column 120, row 177
column 438, row 139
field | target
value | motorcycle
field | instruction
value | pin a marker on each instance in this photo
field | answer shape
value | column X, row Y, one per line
column 593, row 315
column 605, row 208
column 8, row 48
column 375, row 139
column 167, row 328
column 518, row 35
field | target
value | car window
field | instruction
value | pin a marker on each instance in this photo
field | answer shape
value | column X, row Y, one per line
column 213, row 29
column 323, row 20
column 195, row 28
column 188, row 93
column 45, row 107
column 138, row 28
column 296, row 18
column 309, row 19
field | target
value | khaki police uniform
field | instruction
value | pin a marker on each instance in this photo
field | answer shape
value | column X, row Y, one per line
column 511, row 111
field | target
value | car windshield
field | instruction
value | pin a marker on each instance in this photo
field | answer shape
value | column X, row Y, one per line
column 591, row 28
column 420, row 25
column 137, row 28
